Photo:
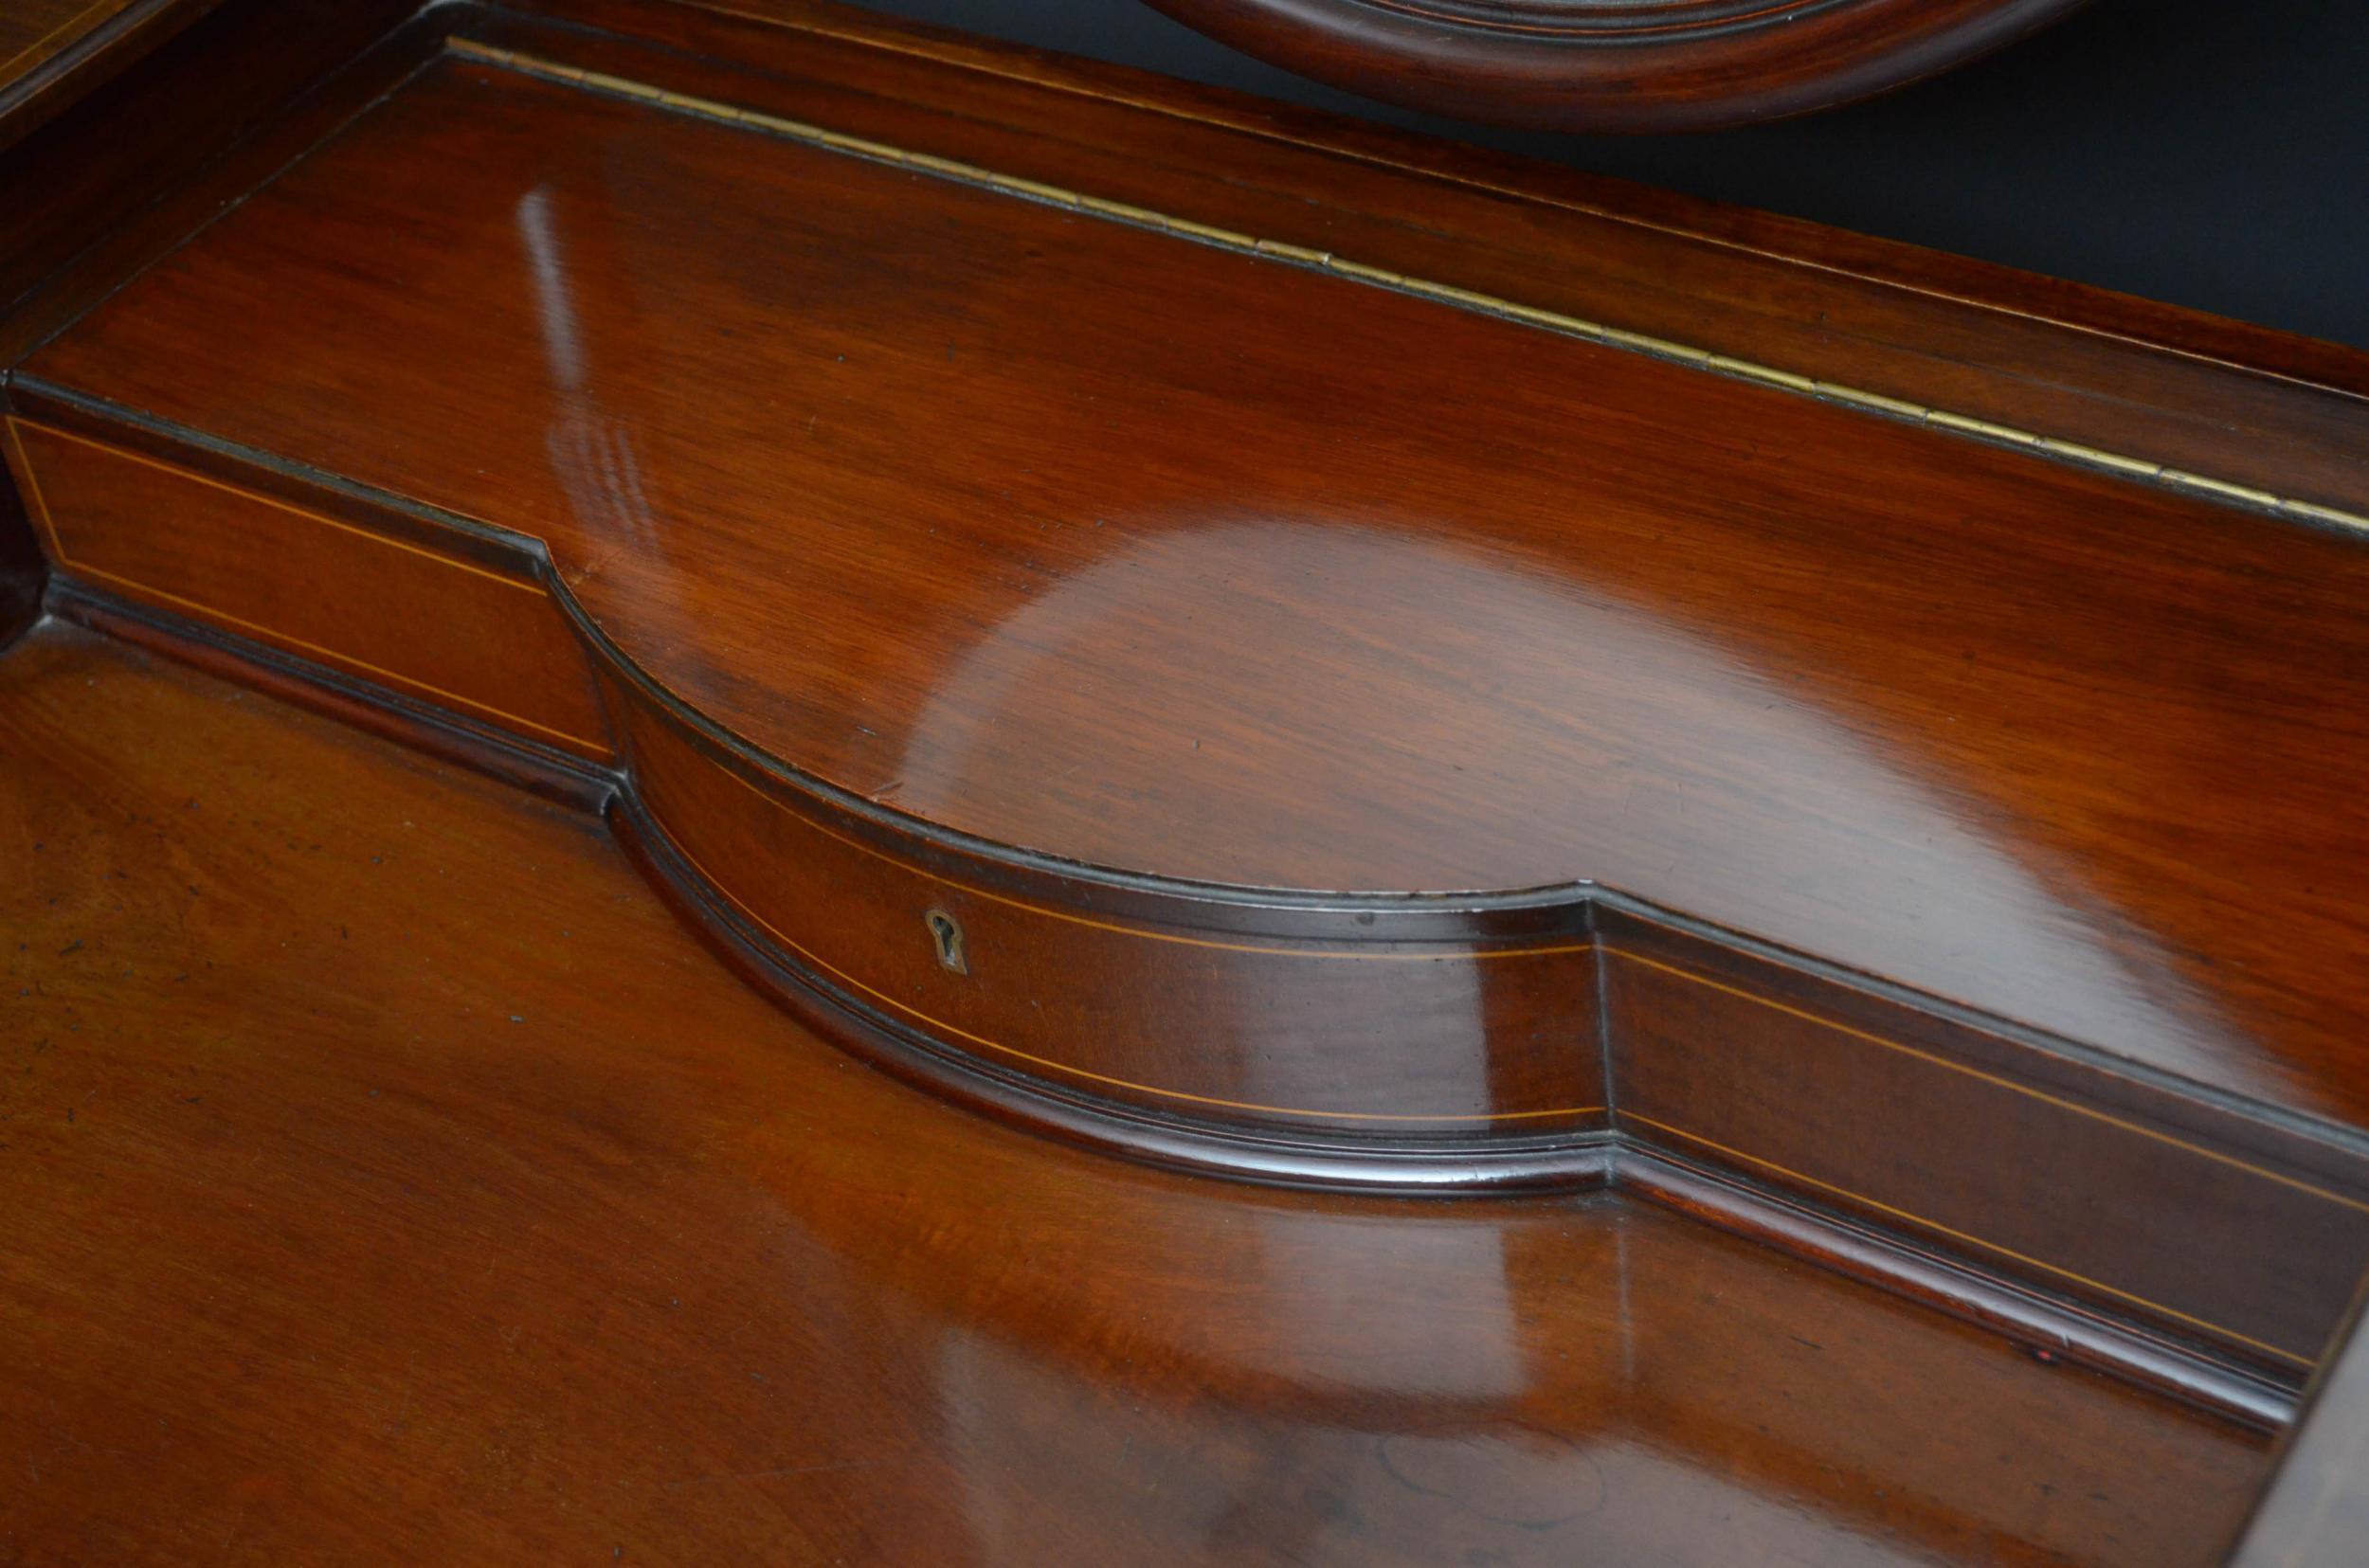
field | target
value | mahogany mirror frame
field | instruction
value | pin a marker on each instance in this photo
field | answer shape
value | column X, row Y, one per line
column 1618, row 66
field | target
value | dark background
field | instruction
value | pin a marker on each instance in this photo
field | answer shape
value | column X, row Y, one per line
column 2209, row 152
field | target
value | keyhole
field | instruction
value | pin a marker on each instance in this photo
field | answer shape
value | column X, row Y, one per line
column 946, row 934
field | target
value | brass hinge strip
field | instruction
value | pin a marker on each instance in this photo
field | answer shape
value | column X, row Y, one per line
column 1556, row 321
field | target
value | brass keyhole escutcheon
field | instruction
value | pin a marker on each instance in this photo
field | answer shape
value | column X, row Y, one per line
column 946, row 935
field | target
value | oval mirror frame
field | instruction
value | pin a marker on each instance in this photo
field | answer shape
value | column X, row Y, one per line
column 1616, row 66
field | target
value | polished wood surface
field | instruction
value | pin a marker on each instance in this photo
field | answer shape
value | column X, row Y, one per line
column 33, row 31
column 107, row 164
column 839, row 486
column 23, row 570
column 1820, row 780
column 1970, row 1139
column 387, row 1177
column 1725, row 771
column 53, row 51
column 111, row 515
column 1359, row 1047
column 1393, row 1035
column 1614, row 64
column 1861, row 318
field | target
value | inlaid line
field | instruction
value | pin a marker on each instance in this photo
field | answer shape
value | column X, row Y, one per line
column 178, row 472
column 1351, row 953
column 2042, row 1096
column 41, row 45
column 1972, row 1240
column 957, row 1032
column 271, row 634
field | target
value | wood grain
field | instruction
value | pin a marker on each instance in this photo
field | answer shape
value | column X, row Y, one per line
column 1443, row 1049
column 345, row 591
column 387, row 1176
column 1370, row 1023
column 1282, row 651
column 24, row 570
column 1354, row 716
column 34, row 30
column 46, row 44
column 1170, row 592
column 1987, row 1145
column 97, row 153
column 2262, row 409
